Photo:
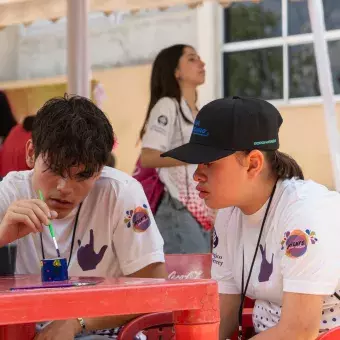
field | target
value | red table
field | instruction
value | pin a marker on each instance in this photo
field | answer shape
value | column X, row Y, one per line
column 194, row 302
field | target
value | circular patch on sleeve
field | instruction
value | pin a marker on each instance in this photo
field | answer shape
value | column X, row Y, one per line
column 296, row 242
column 163, row 120
column 141, row 219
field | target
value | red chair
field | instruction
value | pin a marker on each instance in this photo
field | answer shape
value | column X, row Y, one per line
column 333, row 334
column 159, row 326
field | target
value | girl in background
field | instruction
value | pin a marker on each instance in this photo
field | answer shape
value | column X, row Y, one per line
column 7, row 120
column 13, row 150
column 182, row 217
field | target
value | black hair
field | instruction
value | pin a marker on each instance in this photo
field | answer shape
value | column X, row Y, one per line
column 7, row 121
column 283, row 165
column 163, row 81
column 111, row 161
column 28, row 122
column 72, row 131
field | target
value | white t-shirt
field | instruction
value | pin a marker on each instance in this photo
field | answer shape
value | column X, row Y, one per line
column 116, row 233
column 299, row 251
column 166, row 130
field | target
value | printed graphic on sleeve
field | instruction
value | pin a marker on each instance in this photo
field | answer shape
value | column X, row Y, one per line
column 296, row 242
column 266, row 268
column 88, row 259
column 162, row 120
column 139, row 219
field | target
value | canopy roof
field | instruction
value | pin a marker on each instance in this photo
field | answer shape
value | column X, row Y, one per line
column 27, row 11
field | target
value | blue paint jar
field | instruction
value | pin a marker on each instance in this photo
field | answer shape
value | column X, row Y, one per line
column 54, row 270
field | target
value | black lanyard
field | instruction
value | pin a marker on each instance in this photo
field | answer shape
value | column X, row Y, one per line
column 73, row 237
column 244, row 288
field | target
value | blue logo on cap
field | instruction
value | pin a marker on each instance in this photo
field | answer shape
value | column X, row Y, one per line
column 198, row 130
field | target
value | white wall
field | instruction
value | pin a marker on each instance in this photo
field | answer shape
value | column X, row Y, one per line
column 9, row 45
column 135, row 39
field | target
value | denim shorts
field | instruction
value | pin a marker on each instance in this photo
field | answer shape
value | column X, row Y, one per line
column 181, row 232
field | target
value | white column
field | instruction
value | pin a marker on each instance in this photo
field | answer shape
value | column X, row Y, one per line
column 316, row 13
column 208, row 48
column 78, row 65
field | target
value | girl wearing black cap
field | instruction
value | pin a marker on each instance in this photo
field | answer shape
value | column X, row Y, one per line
column 183, row 219
column 276, row 237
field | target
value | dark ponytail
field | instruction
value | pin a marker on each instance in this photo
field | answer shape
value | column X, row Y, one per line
column 283, row 165
column 163, row 81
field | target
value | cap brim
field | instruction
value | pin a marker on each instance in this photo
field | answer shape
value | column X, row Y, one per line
column 197, row 153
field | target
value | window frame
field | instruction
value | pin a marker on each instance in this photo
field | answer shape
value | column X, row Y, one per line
column 285, row 41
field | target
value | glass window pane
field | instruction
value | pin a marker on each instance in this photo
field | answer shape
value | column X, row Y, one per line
column 248, row 21
column 298, row 18
column 332, row 14
column 303, row 77
column 256, row 73
column 334, row 52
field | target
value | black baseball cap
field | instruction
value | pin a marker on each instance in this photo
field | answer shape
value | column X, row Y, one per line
column 227, row 125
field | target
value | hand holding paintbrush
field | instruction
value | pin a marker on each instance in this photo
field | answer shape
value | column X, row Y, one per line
column 24, row 217
column 50, row 226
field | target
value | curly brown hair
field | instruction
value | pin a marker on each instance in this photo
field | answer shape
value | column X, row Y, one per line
column 72, row 131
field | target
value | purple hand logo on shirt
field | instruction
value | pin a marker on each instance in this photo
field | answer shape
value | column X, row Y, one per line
column 266, row 268
column 88, row 259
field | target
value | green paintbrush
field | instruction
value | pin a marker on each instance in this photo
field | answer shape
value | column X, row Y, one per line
column 51, row 228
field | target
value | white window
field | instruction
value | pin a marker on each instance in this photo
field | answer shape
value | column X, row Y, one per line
column 268, row 50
